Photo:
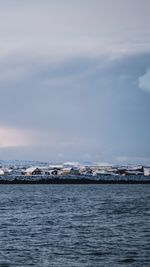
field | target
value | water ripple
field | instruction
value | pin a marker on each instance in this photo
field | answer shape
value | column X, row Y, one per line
column 74, row 225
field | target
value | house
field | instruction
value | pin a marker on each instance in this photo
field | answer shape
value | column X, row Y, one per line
column 121, row 171
column 55, row 166
column 66, row 171
column 51, row 172
column 147, row 171
column 32, row 171
column 75, row 171
column 5, row 171
column 101, row 172
column 2, row 172
column 82, row 169
column 87, row 173
column 134, row 170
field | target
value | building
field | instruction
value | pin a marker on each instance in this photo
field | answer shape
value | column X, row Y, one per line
column 66, row 171
column 51, row 172
column 56, row 167
column 2, row 172
column 101, row 172
column 32, row 171
column 147, row 171
column 75, row 171
column 5, row 171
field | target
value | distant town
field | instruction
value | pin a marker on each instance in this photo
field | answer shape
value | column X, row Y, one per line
column 32, row 171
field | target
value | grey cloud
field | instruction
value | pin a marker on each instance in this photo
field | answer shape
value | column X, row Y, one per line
column 94, row 106
column 70, row 73
column 61, row 29
column 144, row 81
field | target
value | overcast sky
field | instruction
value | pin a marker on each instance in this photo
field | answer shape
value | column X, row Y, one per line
column 75, row 80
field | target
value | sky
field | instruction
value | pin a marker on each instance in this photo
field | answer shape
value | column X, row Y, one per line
column 75, row 80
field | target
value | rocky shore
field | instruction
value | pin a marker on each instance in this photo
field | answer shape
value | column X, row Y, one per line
column 103, row 179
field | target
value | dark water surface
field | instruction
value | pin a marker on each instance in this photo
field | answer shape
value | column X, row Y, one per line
column 74, row 225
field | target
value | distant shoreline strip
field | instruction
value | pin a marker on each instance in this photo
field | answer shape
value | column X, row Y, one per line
column 75, row 181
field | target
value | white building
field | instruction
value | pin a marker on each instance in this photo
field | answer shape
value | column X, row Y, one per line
column 32, row 171
column 1, row 172
column 147, row 171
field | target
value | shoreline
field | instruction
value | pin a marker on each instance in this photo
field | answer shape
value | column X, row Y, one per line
column 75, row 180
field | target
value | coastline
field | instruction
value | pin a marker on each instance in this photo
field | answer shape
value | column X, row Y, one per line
column 75, row 180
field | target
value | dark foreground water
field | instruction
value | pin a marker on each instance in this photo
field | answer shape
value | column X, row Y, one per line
column 74, row 225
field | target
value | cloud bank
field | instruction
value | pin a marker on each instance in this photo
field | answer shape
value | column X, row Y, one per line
column 144, row 81
column 70, row 80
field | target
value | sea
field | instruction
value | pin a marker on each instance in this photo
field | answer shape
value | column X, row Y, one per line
column 75, row 225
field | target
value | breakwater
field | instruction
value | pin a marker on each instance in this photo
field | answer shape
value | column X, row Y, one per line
column 71, row 179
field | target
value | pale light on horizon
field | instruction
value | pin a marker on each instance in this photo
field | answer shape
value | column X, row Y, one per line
column 11, row 137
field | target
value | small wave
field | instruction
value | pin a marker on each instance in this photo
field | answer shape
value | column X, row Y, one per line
column 128, row 260
column 4, row 264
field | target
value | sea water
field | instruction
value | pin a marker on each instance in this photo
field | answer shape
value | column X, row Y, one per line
column 74, row 225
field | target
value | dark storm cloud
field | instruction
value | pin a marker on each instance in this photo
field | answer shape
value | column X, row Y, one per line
column 96, row 103
column 74, row 79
